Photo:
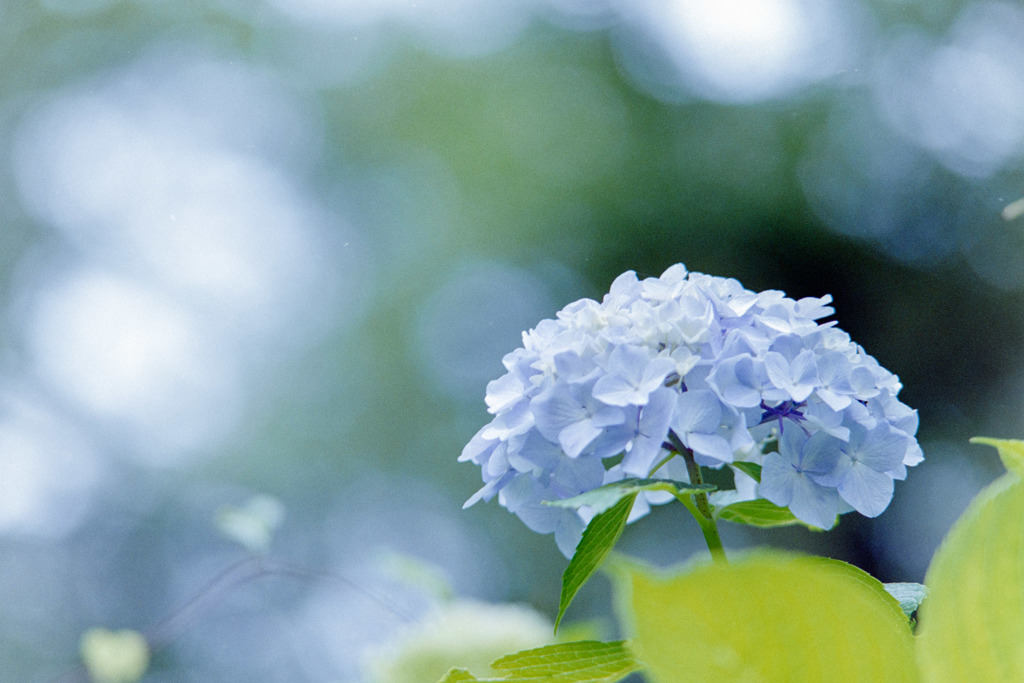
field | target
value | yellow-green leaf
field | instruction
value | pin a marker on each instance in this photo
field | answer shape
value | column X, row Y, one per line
column 587, row 661
column 767, row 617
column 1011, row 452
column 972, row 624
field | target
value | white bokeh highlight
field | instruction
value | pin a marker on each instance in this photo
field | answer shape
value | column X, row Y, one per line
column 191, row 248
column 746, row 50
column 962, row 98
column 132, row 357
column 49, row 474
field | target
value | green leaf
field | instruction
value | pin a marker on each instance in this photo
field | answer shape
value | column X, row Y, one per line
column 604, row 497
column 585, row 661
column 760, row 513
column 909, row 595
column 598, row 540
column 1011, row 452
column 810, row 620
column 751, row 469
column 972, row 625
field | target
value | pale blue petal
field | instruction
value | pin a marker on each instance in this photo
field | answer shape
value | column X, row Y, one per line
column 710, row 449
column 577, row 436
column 556, row 409
column 697, row 411
column 632, row 376
column 834, row 372
column 479, row 448
column 616, row 390
column 628, row 361
column 514, row 421
column 913, row 456
column 626, row 285
column 820, row 454
column 797, row 378
column 866, row 489
column 821, row 416
column 570, row 368
column 535, row 452
column 834, row 400
column 503, row 392
column 489, row 489
column 650, row 433
column 777, row 367
column 805, row 375
column 738, row 382
column 791, row 445
column 656, row 416
column 777, row 478
column 883, row 448
column 568, row 533
column 605, row 416
column 815, row 307
column 572, row 477
column 655, row 373
column 814, row 504
column 612, row 441
column 641, row 508
column 833, row 477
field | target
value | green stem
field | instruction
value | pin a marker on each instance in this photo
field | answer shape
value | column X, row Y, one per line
column 700, row 508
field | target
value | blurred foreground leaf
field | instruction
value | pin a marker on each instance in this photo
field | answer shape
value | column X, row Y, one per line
column 586, row 661
column 768, row 617
column 114, row 656
column 463, row 633
column 252, row 525
column 972, row 624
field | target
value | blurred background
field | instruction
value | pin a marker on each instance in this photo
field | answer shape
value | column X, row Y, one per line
column 280, row 246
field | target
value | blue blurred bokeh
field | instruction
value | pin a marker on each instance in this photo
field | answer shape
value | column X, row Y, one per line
column 280, row 246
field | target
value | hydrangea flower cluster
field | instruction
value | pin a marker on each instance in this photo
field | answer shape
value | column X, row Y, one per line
column 612, row 390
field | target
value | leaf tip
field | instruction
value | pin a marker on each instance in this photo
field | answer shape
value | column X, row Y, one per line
column 1011, row 451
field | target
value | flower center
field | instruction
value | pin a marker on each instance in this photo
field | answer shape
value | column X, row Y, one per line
column 789, row 409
